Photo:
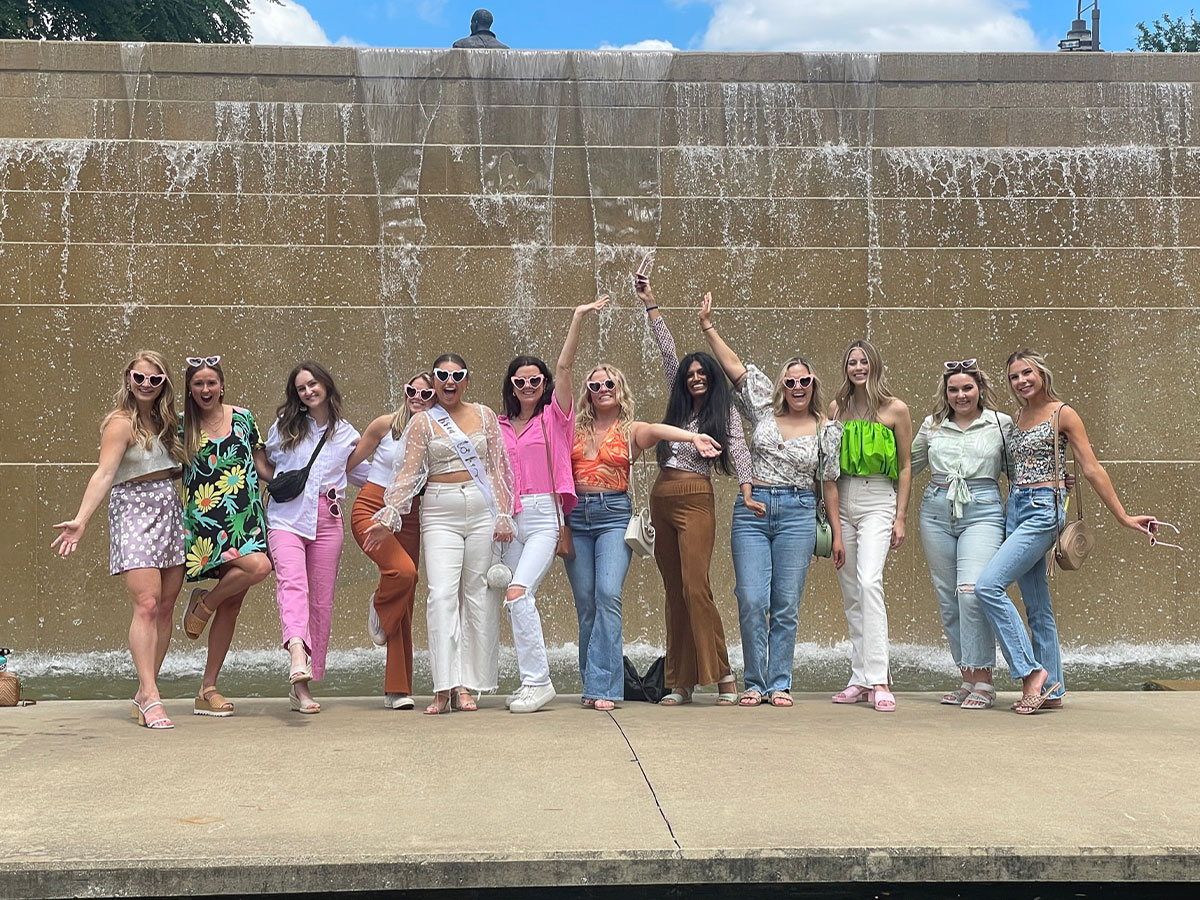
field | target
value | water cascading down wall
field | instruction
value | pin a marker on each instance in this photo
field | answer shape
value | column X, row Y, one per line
column 373, row 208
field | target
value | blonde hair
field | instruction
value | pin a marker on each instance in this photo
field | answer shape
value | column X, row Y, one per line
column 403, row 414
column 779, row 404
column 876, row 388
column 941, row 406
column 1039, row 363
column 585, row 413
column 163, row 422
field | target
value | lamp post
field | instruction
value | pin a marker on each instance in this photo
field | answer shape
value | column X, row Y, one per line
column 1080, row 37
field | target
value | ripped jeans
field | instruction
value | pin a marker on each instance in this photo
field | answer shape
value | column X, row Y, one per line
column 958, row 548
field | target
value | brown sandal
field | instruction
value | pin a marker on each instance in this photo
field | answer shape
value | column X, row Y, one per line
column 1031, row 703
column 212, row 703
column 193, row 625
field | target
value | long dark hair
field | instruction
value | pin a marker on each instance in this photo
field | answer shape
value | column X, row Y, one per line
column 713, row 416
column 293, row 415
column 512, row 406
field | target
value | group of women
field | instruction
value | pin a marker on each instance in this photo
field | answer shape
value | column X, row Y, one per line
column 485, row 497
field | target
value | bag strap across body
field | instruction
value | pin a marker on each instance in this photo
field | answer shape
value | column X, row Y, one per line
column 466, row 453
column 550, row 464
column 316, row 450
column 1059, row 481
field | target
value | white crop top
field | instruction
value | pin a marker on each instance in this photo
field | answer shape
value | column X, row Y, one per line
column 139, row 461
column 444, row 459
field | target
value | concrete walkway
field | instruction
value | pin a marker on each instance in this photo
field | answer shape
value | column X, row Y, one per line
column 362, row 798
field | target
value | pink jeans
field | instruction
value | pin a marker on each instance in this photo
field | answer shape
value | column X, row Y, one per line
column 305, row 574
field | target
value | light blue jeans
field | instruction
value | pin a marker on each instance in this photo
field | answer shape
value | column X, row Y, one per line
column 958, row 549
column 770, row 562
column 597, row 575
column 1035, row 515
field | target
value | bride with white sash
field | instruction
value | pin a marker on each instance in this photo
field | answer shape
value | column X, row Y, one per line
column 455, row 452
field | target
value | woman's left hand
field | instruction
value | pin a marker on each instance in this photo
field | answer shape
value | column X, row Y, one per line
column 759, row 509
column 897, row 534
column 706, row 446
column 375, row 536
column 1139, row 523
column 502, row 533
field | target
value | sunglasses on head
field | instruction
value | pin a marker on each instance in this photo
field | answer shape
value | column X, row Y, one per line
column 803, row 381
column 964, row 365
column 595, row 386
column 519, row 381
column 455, row 375
column 202, row 361
column 140, row 378
column 413, row 392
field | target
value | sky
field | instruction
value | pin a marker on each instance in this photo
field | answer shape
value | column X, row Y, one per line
column 734, row 25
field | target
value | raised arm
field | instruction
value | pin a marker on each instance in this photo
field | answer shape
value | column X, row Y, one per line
column 114, row 441
column 666, row 343
column 729, row 360
column 564, row 391
column 1071, row 425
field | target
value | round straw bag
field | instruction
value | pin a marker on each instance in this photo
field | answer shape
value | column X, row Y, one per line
column 10, row 689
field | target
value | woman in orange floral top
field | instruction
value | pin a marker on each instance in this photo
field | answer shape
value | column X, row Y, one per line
column 607, row 441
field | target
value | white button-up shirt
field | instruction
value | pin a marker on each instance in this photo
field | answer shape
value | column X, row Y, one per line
column 299, row 515
column 959, row 456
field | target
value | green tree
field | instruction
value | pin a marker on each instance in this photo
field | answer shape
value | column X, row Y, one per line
column 1170, row 35
column 188, row 21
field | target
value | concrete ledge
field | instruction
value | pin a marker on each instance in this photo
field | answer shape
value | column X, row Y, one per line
column 361, row 798
column 286, row 875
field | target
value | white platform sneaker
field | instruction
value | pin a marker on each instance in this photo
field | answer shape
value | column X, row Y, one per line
column 531, row 698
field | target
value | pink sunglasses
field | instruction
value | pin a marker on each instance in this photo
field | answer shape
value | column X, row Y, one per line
column 1154, row 541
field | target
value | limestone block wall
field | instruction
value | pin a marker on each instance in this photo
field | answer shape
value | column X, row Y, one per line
column 372, row 208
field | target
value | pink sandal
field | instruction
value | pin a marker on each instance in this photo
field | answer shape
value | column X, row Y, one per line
column 884, row 700
column 853, row 693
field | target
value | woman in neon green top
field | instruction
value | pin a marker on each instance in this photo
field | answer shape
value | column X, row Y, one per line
column 873, row 503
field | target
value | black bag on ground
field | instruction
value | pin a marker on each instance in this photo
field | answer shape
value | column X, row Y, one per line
column 289, row 485
column 649, row 687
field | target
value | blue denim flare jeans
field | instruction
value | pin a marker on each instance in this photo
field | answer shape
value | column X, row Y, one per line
column 597, row 575
column 770, row 562
column 1035, row 515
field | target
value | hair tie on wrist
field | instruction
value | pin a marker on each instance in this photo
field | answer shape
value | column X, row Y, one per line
column 709, row 328
column 651, row 308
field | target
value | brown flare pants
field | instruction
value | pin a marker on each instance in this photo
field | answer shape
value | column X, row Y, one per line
column 397, row 559
column 682, row 512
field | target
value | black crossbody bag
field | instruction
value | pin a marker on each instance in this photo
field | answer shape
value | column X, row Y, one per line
column 289, row 485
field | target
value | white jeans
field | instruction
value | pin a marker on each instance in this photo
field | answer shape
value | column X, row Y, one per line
column 462, row 615
column 530, row 555
column 867, row 507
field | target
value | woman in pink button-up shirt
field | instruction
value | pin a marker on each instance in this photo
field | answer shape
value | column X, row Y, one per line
column 539, row 430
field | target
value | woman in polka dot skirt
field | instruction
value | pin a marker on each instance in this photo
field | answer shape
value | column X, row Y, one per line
column 140, row 453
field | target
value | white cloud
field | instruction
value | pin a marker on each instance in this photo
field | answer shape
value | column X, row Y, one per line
column 648, row 44
column 284, row 23
column 869, row 25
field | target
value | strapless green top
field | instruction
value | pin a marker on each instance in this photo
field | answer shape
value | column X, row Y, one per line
column 868, row 448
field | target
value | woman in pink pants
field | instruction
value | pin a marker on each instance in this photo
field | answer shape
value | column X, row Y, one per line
column 305, row 533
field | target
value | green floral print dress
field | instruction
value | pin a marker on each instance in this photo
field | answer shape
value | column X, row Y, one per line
column 223, row 515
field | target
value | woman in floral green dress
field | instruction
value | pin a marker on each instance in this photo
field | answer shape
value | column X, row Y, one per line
column 224, row 523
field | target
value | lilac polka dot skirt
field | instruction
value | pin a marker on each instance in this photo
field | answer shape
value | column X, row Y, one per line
column 145, row 524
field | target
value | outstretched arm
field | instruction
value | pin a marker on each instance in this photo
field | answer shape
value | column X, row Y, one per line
column 644, row 435
column 729, row 360
column 1071, row 425
column 563, row 389
column 114, row 441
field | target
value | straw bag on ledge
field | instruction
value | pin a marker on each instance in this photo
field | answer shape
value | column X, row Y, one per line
column 10, row 685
